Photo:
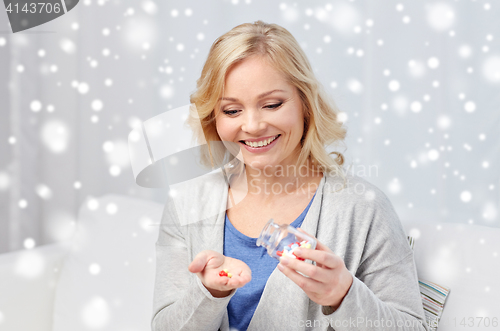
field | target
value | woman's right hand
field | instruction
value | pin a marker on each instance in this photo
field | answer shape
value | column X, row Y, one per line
column 207, row 265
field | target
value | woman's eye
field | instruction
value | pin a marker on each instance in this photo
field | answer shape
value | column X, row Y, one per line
column 274, row 106
column 229, row 112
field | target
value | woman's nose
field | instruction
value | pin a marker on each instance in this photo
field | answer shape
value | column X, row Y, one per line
column 253, row 122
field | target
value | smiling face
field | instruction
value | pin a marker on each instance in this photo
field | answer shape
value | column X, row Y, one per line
column 261, row 112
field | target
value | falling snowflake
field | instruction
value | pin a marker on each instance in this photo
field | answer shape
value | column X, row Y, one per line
column 440, row 16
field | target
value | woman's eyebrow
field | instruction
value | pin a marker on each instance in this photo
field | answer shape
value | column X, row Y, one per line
column 265, row 94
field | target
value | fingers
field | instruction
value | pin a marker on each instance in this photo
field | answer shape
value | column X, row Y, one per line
column 203, row 258
column 313, row 272
column 306, row 284
column 241, row 277
column 238, row 281
column 327, row 259
column 206, row 265
column 246, row 275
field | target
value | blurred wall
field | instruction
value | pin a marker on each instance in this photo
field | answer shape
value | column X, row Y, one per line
column 418, row 84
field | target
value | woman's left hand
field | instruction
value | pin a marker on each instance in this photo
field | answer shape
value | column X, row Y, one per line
column 329, row 280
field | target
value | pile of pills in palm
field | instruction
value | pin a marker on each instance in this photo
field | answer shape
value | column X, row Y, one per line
column 225, row 273
column 288, row 250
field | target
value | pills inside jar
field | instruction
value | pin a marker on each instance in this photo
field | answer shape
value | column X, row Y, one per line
column 289, row 250
column 282, row 240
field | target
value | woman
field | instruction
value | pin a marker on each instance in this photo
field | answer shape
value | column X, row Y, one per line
column 257, row 91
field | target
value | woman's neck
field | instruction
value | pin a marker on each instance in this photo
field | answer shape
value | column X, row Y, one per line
column 277, row 180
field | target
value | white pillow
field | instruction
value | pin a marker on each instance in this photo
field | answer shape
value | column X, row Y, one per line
column 107, row 280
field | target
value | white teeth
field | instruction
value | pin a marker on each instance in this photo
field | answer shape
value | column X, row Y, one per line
column 260, row 143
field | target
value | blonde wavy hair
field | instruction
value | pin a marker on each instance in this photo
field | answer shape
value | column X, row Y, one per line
column 282, row 51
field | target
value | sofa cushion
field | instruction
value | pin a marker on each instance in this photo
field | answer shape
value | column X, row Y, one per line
column 466, row 259
column 107, row 280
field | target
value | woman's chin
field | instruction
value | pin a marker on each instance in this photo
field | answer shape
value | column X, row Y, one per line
column 260, row 163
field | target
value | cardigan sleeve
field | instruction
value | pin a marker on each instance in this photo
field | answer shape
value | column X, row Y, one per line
column 181, row 301
column 384, row 294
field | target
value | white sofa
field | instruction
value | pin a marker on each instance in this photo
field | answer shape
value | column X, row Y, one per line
column 103, row 279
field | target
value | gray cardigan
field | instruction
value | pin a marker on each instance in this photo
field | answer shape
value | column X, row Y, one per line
column 358, row 223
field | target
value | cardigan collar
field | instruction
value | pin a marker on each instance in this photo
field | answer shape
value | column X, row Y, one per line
column 309, row 224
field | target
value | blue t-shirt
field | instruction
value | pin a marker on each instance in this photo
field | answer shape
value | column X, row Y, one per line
column 242, row 305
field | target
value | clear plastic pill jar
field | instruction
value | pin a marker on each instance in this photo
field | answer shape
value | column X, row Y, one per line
column 282, row 240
